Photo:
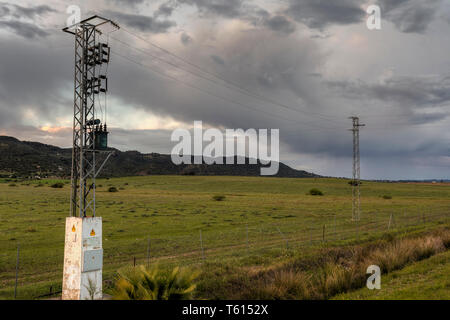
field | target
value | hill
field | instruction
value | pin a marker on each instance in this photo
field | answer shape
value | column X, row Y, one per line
column 30, row 159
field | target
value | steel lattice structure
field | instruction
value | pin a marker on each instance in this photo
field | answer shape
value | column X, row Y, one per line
column 356, row 193
column 87, row 130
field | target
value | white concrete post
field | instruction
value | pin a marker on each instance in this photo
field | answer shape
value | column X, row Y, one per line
column 83, row 259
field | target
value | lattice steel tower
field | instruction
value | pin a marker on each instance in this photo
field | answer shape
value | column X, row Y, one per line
column 90, row 135
column 356, row 193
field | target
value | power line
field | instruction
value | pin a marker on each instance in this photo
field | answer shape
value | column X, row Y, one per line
column 234, row 85
column 216, row 95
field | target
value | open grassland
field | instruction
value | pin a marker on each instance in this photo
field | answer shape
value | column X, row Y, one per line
column 425, row 280
column 324, row 273
column 255, row 222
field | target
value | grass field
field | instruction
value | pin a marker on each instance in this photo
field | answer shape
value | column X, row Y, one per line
column 260, row 222
column 428, row 279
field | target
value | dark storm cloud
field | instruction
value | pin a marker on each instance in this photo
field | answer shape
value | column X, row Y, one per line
column 165, row 9
column 185, row 39
column 280, row 24
column 408, row 91
column 226, row 8
column 318, row 14
column 245, row 11
column 18, row 11
column 141, row 22
column 33, row 77
column 24, row 29
column 4, row 11
column 217, row 59
column 128, row 2
column 409, row 16
column 250, row 57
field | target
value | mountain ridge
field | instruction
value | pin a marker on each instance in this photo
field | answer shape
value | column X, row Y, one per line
column 35, row 159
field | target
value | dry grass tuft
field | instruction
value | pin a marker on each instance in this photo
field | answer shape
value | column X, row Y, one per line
column 337, row 271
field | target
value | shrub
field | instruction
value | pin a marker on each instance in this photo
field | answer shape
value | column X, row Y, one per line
column 219, row 197
column 12, row 185
column 315, row 192
column 140, row 283
column 112, row 189
column 58, row 185
column 387, row 196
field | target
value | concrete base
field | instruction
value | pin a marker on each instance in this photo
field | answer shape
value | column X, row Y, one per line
column 83, row 259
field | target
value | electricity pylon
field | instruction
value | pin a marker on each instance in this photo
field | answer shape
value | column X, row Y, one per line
column 89, row 134
column 356, row 193
column 83, row 249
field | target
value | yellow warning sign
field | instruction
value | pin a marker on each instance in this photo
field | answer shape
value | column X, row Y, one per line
column 73, row 228
column 92, row 233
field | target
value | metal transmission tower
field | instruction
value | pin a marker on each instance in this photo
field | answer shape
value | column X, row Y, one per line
column 89, row 134
column 356, row 201
column 83, row 250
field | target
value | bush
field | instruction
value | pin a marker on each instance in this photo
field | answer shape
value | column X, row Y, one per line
column 387, row 197
column 354, row 183
column 140, row 283
column 112, row 189
column 12, row 185
column 315, row 192
column 219, row 197
column 58, row 185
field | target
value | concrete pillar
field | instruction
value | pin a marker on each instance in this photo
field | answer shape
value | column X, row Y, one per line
column 83, row 259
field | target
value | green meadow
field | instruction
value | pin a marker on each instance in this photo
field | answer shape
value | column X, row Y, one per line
column 253, row 222
column 428, row 279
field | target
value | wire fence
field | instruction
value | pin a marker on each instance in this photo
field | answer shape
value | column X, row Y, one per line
column 28, row 273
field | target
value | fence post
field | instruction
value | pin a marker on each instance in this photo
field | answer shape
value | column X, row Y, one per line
column 357, row 230
column 148, row 252
column 201, row 244
column 390, row 221
column 335, row 234
column 287, row 241
column 17, row 271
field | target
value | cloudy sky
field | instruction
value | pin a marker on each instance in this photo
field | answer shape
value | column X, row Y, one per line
column 303, row 66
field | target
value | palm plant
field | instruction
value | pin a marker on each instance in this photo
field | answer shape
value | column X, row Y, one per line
column 140, row 283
